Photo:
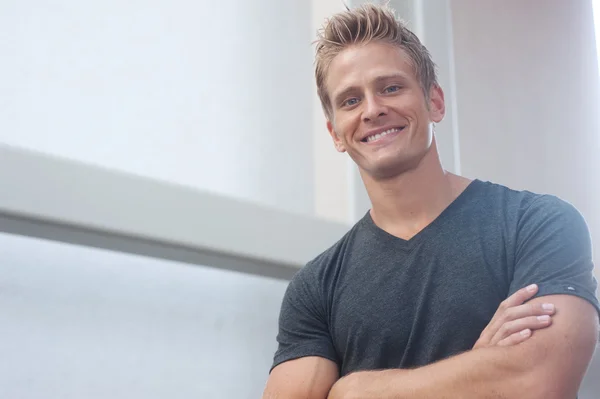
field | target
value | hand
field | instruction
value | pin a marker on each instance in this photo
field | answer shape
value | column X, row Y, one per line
column 514, row 321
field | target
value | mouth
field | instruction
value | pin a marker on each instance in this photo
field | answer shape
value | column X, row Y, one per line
column 377, row 136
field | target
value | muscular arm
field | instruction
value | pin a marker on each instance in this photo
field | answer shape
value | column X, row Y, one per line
column 549, row 365
column 312, row 377
column 305, row 378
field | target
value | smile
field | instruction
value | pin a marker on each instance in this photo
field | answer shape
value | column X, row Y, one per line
column 377, row 136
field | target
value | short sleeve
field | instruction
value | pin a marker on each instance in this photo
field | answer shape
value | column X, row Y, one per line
column 554, row 250
column 303, row 327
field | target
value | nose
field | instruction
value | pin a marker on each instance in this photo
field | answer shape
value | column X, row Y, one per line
column 374, row 108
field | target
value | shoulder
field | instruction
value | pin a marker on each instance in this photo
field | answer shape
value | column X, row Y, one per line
column 538, row 217
column 527, row 217
column 550, row 218
column 309, row 287
column 325, row 266
column 524, row 204
column 513, row 199
column 549, row 207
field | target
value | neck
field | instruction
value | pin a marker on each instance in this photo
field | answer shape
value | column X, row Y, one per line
column 408, row 202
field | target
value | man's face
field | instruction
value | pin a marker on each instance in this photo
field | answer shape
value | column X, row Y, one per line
column 379, row 113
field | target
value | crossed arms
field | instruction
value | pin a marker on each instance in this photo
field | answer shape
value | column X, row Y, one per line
column 548, row 364
column 554, row 249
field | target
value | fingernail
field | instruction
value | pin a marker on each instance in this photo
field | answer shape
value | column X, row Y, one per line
column 544, row 318
column 532, row 287
column 548, row 306
column 525, row 333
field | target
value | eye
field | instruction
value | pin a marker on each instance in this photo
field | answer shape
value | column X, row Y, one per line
column 350, row 102
column 391, row 89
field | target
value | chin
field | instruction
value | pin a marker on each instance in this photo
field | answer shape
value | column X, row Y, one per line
column 393, row 166
column 388, row 170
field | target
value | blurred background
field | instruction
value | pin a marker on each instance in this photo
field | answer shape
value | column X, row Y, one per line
column 213, row 104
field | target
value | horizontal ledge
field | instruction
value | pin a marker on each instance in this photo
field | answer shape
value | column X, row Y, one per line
column 69, row 201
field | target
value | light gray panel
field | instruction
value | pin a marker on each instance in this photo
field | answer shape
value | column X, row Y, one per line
column 88, row 323
column 70, row 201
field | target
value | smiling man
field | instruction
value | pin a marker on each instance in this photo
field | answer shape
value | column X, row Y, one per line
column 448, row 287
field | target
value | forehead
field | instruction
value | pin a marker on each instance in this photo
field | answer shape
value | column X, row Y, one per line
column 360, row 65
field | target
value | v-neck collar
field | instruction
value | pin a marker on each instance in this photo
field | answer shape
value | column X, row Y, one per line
column 439, row 222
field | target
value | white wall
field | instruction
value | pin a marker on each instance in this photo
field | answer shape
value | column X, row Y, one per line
column 215, row 95
column 527, row 89
column 87, row 323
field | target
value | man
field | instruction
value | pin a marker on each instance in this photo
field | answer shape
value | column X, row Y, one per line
column 447, row 288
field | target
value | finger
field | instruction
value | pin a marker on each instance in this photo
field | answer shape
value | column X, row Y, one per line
column 515, row 338
column 526, row 323
column 519, row 297
column 526, row 310
column 516, row 299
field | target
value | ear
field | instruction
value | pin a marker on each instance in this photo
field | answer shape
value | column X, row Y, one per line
column 339, row 145
column 437, row 105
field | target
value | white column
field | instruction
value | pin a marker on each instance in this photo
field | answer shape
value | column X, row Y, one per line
column 331, row 172
column 434, row 27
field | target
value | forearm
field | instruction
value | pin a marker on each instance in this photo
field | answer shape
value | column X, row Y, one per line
column 488, row 373
column 549, row 365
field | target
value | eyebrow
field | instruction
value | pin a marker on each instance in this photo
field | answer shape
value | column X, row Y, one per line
column 384, row 78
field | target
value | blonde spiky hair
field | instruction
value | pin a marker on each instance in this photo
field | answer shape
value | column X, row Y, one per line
column 361, row 25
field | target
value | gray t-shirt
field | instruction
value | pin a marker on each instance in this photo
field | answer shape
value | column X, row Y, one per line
column 375, row 301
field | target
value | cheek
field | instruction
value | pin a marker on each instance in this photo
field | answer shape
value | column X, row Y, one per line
column 418, row 114
column 413, row 104
column 344, row 126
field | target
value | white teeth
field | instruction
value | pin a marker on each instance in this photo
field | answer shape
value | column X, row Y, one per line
column 380, row 135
